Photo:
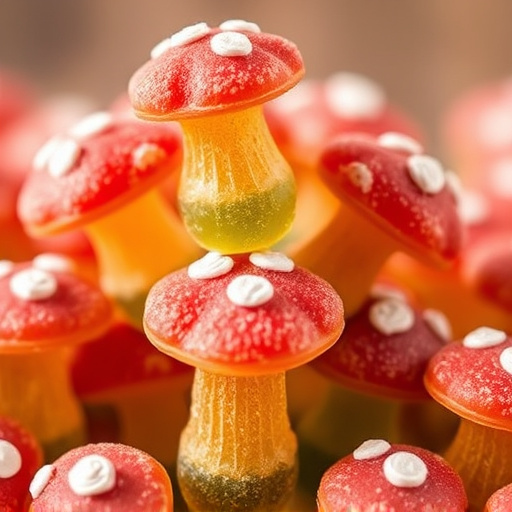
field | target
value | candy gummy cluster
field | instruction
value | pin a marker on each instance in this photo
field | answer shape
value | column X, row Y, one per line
column 239, row 288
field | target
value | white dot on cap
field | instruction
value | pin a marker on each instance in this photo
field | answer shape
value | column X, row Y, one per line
column 212, row 264
column 473, row 207
column 250, row 291
column 64, row 157
column 41, row 480
column 354, row 96
column 484, row 337
column 400, row 142
column 438, row 322
column 405, row 469
column 189, row 34
column 385, row 291
column 230, row 44
column 147, row 154
column 427, row 173
column 371, row 449
column 53, row 262
column 92, row 475
column 161, row 48
column 10, row 459
column 391, row 316
column 506, row 360
column 93, row 124
column 360, row 176
column 245, row 26
column 33, row 284
column 270, row 260
column 42, row 156
column 6, row 267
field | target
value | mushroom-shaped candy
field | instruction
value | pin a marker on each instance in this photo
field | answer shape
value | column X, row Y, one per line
column 44, row 313
column 473, row 379
column 237, row 193
column 102, row 477
column 380, row 476
column 391, row 199
column 101, row 175
column 242, row 321
column 20, row 458
column 500, row 500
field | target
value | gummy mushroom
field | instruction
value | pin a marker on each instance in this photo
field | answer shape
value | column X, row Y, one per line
column 500, row 500
column 101, row 176
column 392, row 198
column 473, row 378
column 237, row 192
column 378, row 475
column 102, row 477
column 242, row 321
column 20, row 458
column 43, row 315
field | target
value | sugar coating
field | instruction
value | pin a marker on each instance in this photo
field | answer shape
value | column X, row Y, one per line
column 64, row 157
column 41, row 479
column 484, row 337
column 242, row 25
column 351, row 95
column 404, row 469
column 10, row 459
column 427, row 173
column 391, row 316
column 53, row 262
column 33, row 284
column 91, row 125
column 371, row 449
column 272, row 261
column 211, row 265
column 360, row 175
column 92, row 475
column 250, row 291
column 438, row 322
column 231, row 44
column 400, row 142
column 6, row 266
column 147, row 155
column 506, row 360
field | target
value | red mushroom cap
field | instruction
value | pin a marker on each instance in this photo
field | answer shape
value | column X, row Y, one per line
column 405, row 194
column 121, row 359
column 232, row 316
column 43, row 308
column 99, row 165
column 385, row 348
column 500, row 500
column 203, row 71
column 103, row 477
column 380, row 476
column 20, row 457
column 473, row 378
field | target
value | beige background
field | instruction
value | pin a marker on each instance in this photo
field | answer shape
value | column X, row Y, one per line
column 423, row 52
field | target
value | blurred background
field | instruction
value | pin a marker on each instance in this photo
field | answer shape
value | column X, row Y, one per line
column 423, row 53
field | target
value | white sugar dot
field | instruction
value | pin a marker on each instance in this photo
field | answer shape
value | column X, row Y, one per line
column 385, row 291
column 360, row 176
column 189, row 34
column 400, row 142
column 231, row 44
column 500, row 178
column 10, row 459
column 42, row 157
column 33, row 284
column 161, row 48
column 354, row 96
column 53, row 262
column 371, row 449
column 212, row 264
column 147, row 154
column 63, row 157
column 427, row 173
column 438, row 322
column 391, row 316
column 272, row 261
column 6, row 267
column 93, row 124
column 242, row 25
column 92, row 475
column 404, row 469
column 473, row 208
column 484, row 337
column 506, row 360
column 250, row 291
column 41, row 479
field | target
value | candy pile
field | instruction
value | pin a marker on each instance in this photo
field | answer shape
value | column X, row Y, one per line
column 238, row 289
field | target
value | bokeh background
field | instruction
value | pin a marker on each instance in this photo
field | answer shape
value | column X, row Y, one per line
column 424, row 53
